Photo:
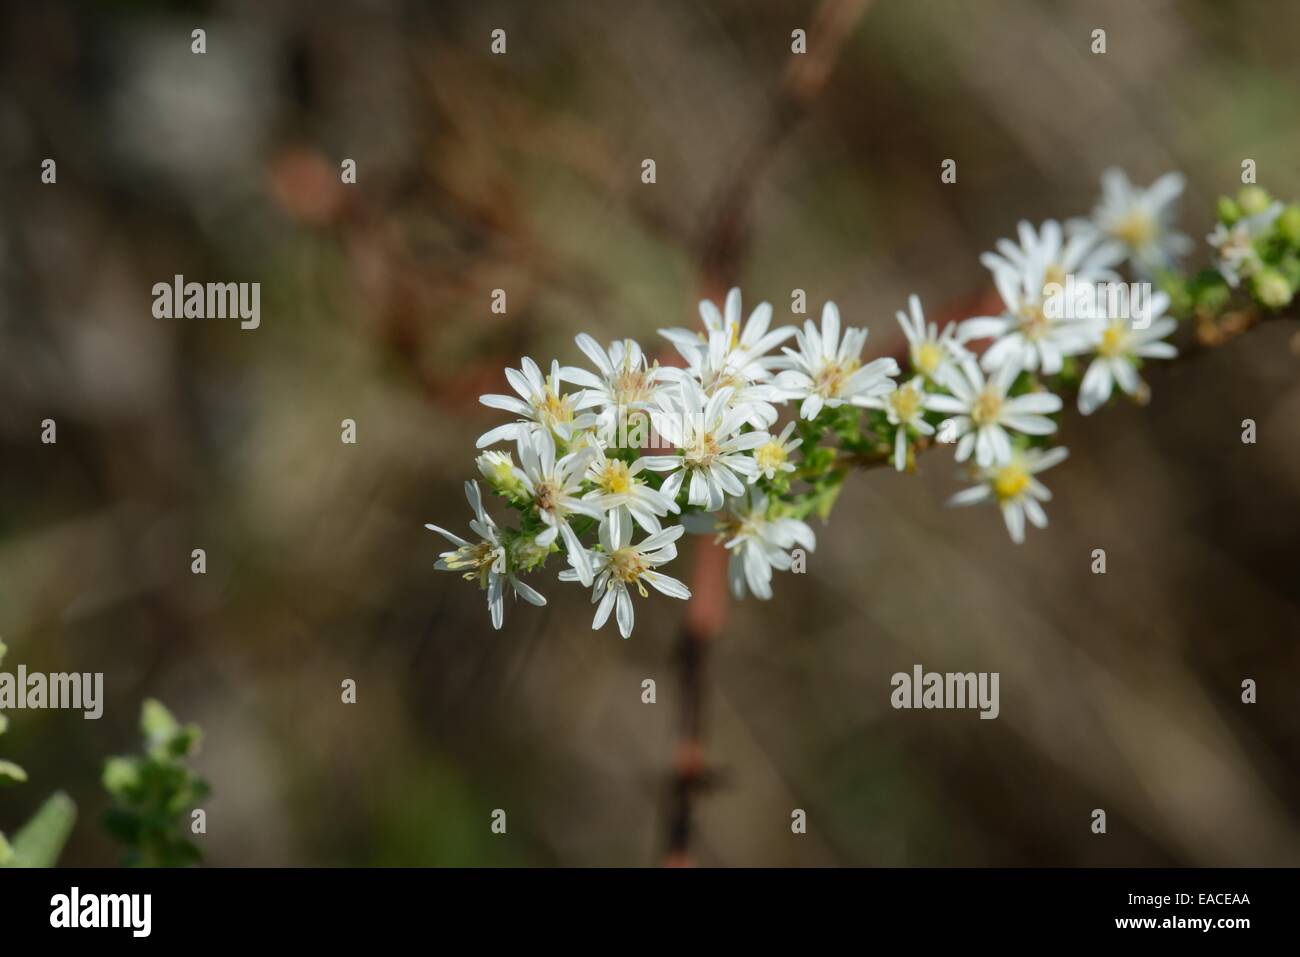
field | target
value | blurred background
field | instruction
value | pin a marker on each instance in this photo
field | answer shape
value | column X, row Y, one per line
column 523, row 172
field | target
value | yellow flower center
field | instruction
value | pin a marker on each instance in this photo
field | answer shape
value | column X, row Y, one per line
column 1114, row 340
column 831, row 379
column 927, row 358
column 1010, row 482
column 477, row 559
column 770, row 456
column 616, row 479
column 1053, row 275
column 906, row 402
column 628, row 565
column 987, row 408
column 1033, row 323
column 1136, row 228
column 556, row 408
column 703, row 450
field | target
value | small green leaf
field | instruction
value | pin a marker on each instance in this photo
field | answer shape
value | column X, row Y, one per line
column 11, row 773
column 41, row 839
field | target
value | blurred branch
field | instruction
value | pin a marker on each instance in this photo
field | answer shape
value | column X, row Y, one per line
column 721, row 247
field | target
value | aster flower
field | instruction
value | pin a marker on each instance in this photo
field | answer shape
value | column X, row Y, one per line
column 774, row 455
column 756, row 542
column 553, row 486
column 1140, row 219
column 931, row 352
column 827, row 371
column 1015, row 490
column 487, row 561
column 1237, row 257
column 707, row 433
column 540, row 405
column 620, row 564
column 982, row 412
column 619, row 492
column 626, row 384
column 740, row 348
column 1119, row 346
column 1087, row 257
column 1026, row 335
column 905, row 409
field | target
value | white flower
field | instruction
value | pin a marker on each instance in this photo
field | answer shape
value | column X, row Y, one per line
column 553, row 487
column 618, row 490
column 1013, row 486
column 1235, row 244
column 932, row 352
column 1088, row 257
column 757, row 543
column 541, row 406
column 1118, row 345
column 905, row 409
column 712, row 446
column 738, row 348
column 622, row 564
column 734, row 354
column 828, row 371
column 774, row 455
column 627, row 383
column 487, row 561
column 1140, row 219
column 982, row 413
column 1026, row 335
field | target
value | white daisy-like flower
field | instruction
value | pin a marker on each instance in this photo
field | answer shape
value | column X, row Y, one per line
column 756, row 542
column 540, row 404
column 905, row 409
column 626, row 384
column 712, row 447
column 1119, row 345
column 622, row 564
column 774, row 455
column 715, row 367
column 1237, row 257
column 487, row 561
column 1015, row 490
column 1026, row 336
column 1087, row 257
column 931, row 352
column 739, row 348
column 982, row 413
column 827, row 371
column 735, row 354
column 619, row 492
column 554, row 486
column 1142, row 220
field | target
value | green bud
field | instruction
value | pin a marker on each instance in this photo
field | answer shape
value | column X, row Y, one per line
column 1288, row 225
column 1253, row 199
column 1271, row 288
column 1229, row 211
column 499, row 471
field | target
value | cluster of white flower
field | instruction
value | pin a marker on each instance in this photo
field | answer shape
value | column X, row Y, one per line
column 584, row 483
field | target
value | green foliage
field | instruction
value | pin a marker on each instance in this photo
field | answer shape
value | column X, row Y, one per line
column 39, row 841
column 151, row 792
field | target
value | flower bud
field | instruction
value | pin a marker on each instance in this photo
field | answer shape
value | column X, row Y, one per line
column 1253, row 199
column 1271, row 288
column 1229, row 211
column 1288, row 225
column 499, row 471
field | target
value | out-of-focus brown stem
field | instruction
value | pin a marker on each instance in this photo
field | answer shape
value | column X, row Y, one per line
column 721, row 248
